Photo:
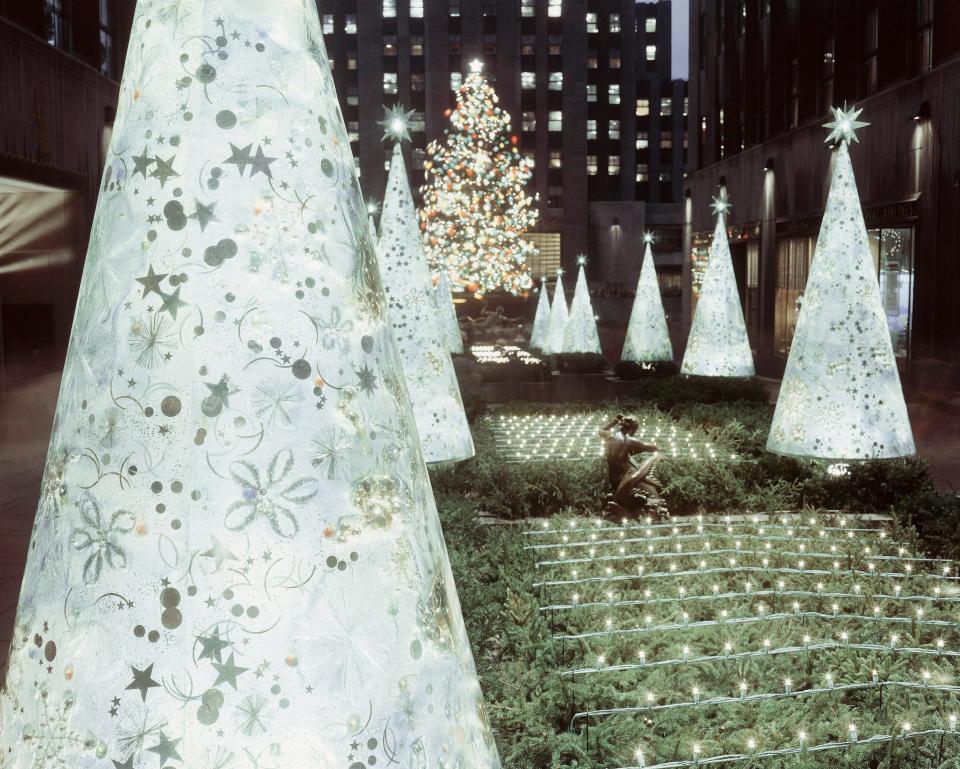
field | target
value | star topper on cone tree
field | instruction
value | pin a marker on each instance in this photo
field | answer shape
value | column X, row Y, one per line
column 475, row 208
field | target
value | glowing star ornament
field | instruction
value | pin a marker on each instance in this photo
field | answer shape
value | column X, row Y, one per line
column 558, row 319
column 412, row 310
column 718, row 345
column 580, row 334
column 647, row 339
column 475, row 209
column 844, row 126
column 396, row 124
column 541, row 321
column 447, row 316
column 373, row 209
column 841, row 397
column 238, row 499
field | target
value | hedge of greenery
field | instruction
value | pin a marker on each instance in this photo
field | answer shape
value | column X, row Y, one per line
column 531, row 704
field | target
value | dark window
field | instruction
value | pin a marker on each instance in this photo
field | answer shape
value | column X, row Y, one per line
column 57, row 23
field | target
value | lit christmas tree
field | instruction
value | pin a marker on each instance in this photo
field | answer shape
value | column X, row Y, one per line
column 475, row 209
column 647, row 339
column 431, row 380
column 841, row 396
column 580, row 334
column 541, row 321
column 718, row 343
column 558, row 318
column 447, row 316
column 236, row 559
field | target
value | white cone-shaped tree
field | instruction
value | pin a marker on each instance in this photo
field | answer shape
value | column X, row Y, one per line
column 447, row 316
column 236, row 556
column 718, row 344
column 841, row 397
column 558, row 319
column 427, row 367
column 648, row 339
column 580, row 334
column 541, row 321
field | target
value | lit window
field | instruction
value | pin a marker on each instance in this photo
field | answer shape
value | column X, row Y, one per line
column 642, row 172
column 651, row 53
column 353, row 96
column 591, row 59
column 455, row 81
column 591, row 92
column 613, row 165
column 592, row 22
column 555, row 81
column 592, row 165
column 356, row 166
column 527, row 45
column 416, row 9
column 353, row 131
column 328, row 23
column 613, row 93
column 454, row 7
column 614, row 22
column 389, row 9
column 416, row 82
column 555, row 161
column 418, row 122
column 529, row 158
column 389, row 45
column 351, row 60
column 643, row 107
column 613, row 129
column 389, row 82
column 526, row 7
column 529, row 121
column 554, row 48
column 591, row 129
column 555, row 120
column 666, row 106
column 350, row 24
column 554, row 8
column 416, row 46
column 651, row 25
column 615, row 58
column 528, row 80
column 642, row 141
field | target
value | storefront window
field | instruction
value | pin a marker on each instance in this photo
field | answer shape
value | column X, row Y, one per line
column 793, row 265
column 753, row 284
column 892, row 250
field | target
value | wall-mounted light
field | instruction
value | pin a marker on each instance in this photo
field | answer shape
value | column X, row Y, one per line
column 723, row 181
column 923, row 113
column 615, row 222
column 768, row 166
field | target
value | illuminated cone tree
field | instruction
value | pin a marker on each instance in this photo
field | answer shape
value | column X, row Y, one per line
column 580, row 334
column 718, row 344
column 558, row 319
column 447, row 316
column 236, row 559
column 541, row 321
column 648, row 339
column 428, row 369
column 841, row 396
column 475, row 207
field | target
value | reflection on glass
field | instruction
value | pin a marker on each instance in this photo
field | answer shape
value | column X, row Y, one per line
column 892, row 250
column 794, row 256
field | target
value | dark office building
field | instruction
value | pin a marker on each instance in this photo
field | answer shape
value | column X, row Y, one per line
column 763, row 74
column 587, row 83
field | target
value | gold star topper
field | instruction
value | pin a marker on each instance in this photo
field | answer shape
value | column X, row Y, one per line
column 581, row 259
column 844, row 125
column 648, row 237
column 720, row 205
column 396, row 123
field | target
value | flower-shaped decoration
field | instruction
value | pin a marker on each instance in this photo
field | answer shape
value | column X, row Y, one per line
column 100, row 539
column 270, row 497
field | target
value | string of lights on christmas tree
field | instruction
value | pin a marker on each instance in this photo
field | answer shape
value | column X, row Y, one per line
column 475, row 207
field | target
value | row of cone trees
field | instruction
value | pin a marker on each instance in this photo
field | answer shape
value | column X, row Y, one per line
column 557, row 329
column 841, row 397
column 237, row 550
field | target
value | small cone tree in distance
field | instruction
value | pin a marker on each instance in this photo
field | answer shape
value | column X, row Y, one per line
column 718, row 344
column 447, row 316
column 475, row 207
column 541, row 321
column 236, row 558
column 841, row 397
column 580, row 334
column 412, row 310
column 558, row 318
column 648, row 339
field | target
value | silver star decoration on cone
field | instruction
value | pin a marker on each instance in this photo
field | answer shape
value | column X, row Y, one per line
column 373, row 206
column 396, row 123
column 844, row 125
column 648, row 237
column 581, row 259
column 720, row 205
column 560, row 271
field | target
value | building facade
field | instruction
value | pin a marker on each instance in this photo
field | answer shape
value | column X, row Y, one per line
column 763, row 74
column 586, row 82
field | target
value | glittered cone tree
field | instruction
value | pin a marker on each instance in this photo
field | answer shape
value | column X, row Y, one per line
column 648, row 339
column 447, row 316
column 718, row 344
column 558, row 319
column 236, row 553
column 541, row 321
column 475, row 207
column 841, row 396
column 427, row 367
column 580, row 334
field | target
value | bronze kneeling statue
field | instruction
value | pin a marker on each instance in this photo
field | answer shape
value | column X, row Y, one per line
column 635, row 490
